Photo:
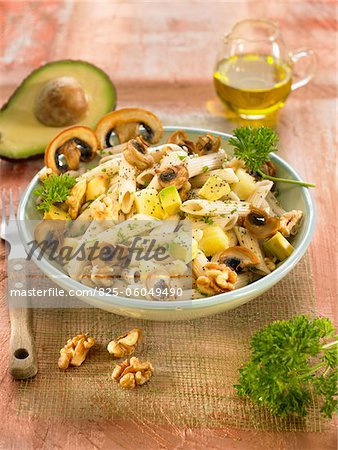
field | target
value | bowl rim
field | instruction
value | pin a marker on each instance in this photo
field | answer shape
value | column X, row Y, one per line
column 259, row 285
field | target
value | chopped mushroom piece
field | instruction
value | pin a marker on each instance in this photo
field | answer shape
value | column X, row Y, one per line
column 158, row 285
column 238, row 258
column 137, row 155
column 126, row 123
column 260, row 224
column 76, row 198
column 207, row 144
column 173, row 176
column 180, row 138
column 290, row 222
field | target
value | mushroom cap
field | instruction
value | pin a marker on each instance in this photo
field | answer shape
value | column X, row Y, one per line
column 180, row 138
column 50, row 231
column 238, row 258
column 260, row 224
column 173, row 176
column 207, row 144
column 136, row 153
column 125, row 123
column 78, row 134
column 158, row 281
column 61, row 102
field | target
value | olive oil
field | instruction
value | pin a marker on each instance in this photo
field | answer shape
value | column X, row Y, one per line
column 253, row 85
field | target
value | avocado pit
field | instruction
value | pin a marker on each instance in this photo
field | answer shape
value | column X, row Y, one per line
column 61, row 102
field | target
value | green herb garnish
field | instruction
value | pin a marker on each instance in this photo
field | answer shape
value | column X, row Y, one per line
column 292, row 360
column 54, row 189
column 207, row 220
column 205, row 168
column 254, row 145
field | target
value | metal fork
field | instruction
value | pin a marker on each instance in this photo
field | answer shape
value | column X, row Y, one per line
column 22, row 353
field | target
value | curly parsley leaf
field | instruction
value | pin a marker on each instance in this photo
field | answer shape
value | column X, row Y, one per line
column 54, row 189
column 253, row 146
column 290, row 361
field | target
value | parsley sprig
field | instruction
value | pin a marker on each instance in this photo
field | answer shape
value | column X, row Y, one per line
column 254, row 145
column 54, row 189
column 291, row 361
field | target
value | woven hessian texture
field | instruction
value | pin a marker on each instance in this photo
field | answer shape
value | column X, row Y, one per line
column 196, row 364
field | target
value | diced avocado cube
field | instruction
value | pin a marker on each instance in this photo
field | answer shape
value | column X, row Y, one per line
column 147, row 202
column 214, row 240
column 170, row 200
column 55, row 213
column 183, row 247
column 245, row 186
column 278, row 246
column 214, row 188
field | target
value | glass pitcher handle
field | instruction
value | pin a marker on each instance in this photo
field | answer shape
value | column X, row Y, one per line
column 310, row 69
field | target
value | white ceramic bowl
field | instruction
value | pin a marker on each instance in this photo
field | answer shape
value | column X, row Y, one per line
column 291, row 197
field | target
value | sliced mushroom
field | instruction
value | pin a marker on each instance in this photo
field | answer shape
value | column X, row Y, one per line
column 158, row 285
column 238, row 258
column 137, row 154
column 49, row 234
column 69, row 147
column 173, row 175
column 126, row 123
column 180, row 138
column 269, row 168
column 207, row 144
column 260, row 224
column 76, row 198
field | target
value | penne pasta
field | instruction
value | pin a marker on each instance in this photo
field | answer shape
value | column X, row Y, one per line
column 127, row 185
column 227, row 175
column 246, row 240
column 258, row 196
column 198, row 264
column 274, row 205
column 243, row 279
column 199, row 207
column 226, row 222
column 196, row 166
column 109, row 168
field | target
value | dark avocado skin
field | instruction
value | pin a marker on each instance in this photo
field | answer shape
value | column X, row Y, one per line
column 6, row 107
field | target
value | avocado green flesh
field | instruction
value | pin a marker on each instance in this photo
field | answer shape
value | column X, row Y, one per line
column 21, row 133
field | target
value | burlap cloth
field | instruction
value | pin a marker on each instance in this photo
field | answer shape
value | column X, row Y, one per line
column 196, row 364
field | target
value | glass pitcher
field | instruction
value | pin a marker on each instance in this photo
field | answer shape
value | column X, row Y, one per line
column 254, row 73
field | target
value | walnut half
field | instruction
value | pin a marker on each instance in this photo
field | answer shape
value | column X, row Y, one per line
column 290, row 222
column 126, row 344
column 75, row 351
column 132, row 372
column 218, row 278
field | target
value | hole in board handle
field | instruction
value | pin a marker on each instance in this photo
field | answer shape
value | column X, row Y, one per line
column 21, row 353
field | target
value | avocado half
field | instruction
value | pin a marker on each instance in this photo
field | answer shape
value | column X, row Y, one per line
column 22, row 135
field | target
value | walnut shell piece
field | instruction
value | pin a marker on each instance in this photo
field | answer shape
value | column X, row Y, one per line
column 289, row 222
column 132, row 372
column 75, row 351
column 126, row 344
column 218, row 278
